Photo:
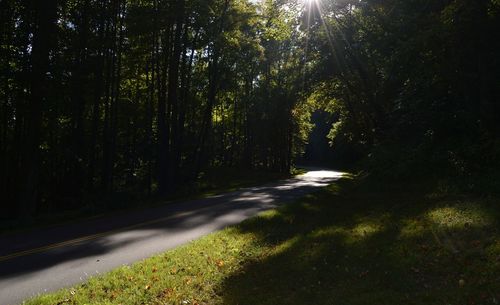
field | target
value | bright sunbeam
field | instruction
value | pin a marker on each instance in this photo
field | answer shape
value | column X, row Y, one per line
column 316, row 5
column 309, row 3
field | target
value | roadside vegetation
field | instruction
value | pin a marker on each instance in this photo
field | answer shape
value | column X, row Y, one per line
column 211, row 182
column 107, row 106
column 354, row 242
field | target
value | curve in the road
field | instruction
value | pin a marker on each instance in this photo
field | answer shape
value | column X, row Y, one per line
column 54, row 258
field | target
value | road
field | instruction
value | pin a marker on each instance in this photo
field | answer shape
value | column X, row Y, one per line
column 53, row 258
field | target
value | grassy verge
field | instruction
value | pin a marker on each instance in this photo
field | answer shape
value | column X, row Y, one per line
column 347, row 244
column 213, row 182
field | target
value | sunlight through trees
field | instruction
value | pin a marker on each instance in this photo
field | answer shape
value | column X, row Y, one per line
column 106, row 97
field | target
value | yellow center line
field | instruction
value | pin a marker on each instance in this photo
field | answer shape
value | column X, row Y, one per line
column 95, row 236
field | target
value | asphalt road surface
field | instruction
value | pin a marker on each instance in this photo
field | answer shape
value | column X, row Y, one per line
column 50, row 259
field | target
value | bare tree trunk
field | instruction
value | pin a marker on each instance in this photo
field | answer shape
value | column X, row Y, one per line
column 109, row 80
column 213, row 86
column 98, row 92
column 112, row 98
column 8, row 162
column 78, row 88
column 149, row 118
column 173, row 90
column 46, row 14
column 163, row 111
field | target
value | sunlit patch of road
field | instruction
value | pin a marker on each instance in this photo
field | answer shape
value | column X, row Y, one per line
column 64, row 262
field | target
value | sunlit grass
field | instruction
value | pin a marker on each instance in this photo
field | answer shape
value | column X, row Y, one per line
column 411, row 228
column 460, row 215
column 342, row 245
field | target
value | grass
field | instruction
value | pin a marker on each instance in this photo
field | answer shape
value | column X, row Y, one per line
column 347, row 244
column 212, row 182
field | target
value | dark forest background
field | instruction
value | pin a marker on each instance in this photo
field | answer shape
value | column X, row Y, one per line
column 133, row 97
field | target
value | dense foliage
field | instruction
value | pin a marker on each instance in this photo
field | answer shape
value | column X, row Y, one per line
column 413, row 86
column 107, row 96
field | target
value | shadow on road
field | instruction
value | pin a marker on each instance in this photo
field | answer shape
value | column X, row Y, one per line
column 216, row 212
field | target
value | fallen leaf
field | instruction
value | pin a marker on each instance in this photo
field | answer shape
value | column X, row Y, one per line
column 363, row 274
column 476, row 243
column 167, row 292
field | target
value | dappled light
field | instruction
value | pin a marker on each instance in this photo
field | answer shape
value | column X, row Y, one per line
column 362, row 258
column 354, row 234
column 335, row 245
column 336, row 152
column 412, row 228
column 366, row 229
column 461, row 215
column 144, row 233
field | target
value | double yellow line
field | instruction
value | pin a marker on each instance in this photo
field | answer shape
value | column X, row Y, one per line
column 94, row 236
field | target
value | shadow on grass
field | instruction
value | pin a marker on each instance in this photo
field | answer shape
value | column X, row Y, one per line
column 372, row 247
column 202, row 215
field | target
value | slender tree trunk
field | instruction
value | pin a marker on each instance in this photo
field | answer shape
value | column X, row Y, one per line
column 149, row 120
column 46, row 14
column 112, row 95
column 98, row 92
column 106, row 148
column 213, row 85
column 248, row 145
column 233, row 151
column 8, row 168
column 185, row 100
column 163, row 111
column 78, row 89
column 173, row 93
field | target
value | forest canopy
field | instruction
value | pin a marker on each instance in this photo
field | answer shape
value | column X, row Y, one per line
column 106, row 96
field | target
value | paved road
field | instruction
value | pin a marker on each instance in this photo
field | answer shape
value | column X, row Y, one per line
column 59, row 257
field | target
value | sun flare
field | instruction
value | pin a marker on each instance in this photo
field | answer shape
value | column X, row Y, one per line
column 310, row 3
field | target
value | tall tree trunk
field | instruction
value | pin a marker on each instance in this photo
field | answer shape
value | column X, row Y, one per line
column 150, row 76
column 213, row 85
column 45, row 16
column 112, row 96
column 78, row 89
column 8, row 168
column 173, row 95
column 106, row 147
column 186, row 76
column 98, row 92
column 163, row 112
